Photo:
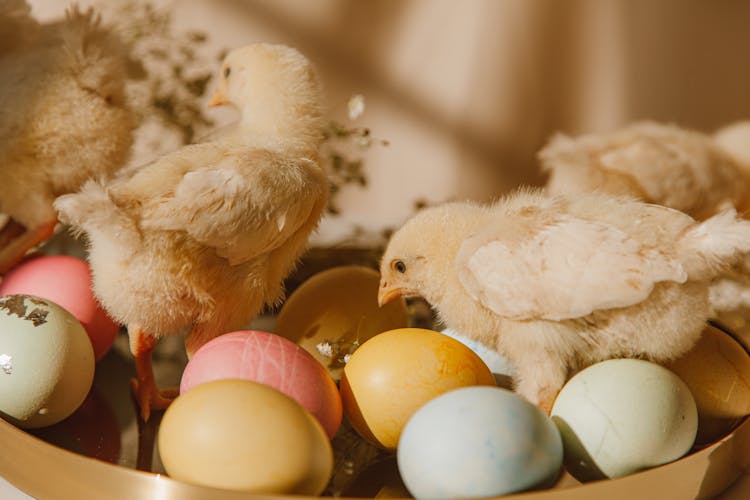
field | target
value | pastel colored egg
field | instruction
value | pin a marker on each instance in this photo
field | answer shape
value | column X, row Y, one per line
column 46, row 361
column 241, row 435
column 478, row 442
column 624, row 415
column 335, row 311
column 272, row 360
column 391, row 375
column 721, row 392
column 499, row 365
column 66, row 281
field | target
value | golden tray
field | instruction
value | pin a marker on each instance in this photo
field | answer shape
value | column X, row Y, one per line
column 31, row 462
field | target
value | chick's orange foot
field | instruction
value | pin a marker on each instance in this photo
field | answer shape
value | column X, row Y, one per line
column 147, row 394
column 148, row 397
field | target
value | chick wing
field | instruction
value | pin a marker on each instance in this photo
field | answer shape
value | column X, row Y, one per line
column 245, row 204
column 564, row 270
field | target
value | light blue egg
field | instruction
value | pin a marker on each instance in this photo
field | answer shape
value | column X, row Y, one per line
column 498, row 364
column 478, row 442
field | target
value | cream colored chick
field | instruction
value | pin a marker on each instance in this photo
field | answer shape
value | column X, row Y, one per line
column 63, row 120
column 663, row 164
column 201, row 239
column 558, row 283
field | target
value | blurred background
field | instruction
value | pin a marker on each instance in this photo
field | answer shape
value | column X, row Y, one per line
column 465, row 93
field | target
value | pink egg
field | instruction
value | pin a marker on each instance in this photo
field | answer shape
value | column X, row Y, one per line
column 271, row 360
column 66, row 281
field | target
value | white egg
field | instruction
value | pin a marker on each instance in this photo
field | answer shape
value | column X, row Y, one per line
column 46, row 361
column 624, row 415
column 478, row 442
column 500, row 367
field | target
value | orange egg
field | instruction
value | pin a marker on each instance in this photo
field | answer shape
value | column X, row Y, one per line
column 337, row 309
column 393, row 374
column 717, row 371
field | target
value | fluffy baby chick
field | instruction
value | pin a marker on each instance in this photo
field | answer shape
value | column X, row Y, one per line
column 558, row 283
column 201, row 239
column 664, row 164
column 63, row 119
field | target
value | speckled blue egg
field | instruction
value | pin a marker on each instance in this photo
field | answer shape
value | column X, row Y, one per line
column 478, row 442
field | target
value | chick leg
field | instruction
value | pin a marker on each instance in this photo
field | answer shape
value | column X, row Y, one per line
column 199, row 335
column 144, row 387
column 541, row 387
column 16, row 248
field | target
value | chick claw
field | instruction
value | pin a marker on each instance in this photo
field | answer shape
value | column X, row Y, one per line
column 148, row 396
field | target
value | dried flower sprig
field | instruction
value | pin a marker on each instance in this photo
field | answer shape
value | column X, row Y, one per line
column 170, row 71
column 343, row 151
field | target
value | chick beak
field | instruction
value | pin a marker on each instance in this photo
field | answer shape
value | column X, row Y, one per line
column 218, row 98
column 387, row 293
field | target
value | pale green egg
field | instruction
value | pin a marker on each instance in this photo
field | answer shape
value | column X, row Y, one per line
column 621, row 416
column 46, row 361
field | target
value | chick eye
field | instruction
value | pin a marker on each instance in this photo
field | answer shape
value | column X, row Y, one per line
column 227, row 72
column 399, row 266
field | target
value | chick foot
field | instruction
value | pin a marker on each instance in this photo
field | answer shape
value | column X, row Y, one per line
column 146, row 393
column 149, row 397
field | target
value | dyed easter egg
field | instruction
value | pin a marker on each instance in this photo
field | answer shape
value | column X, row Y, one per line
column 46, row 361
column 66, row 281
column 624, row 415
column 335, row 311
column 721, row 392
column 241, row 435
column 391, row 375
column 499, row 365
column 272, row 360
column 478, row 442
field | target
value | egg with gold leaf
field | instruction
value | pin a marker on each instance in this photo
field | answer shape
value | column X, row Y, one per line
column 717, row 371
column 335, row 311
column 46, row 361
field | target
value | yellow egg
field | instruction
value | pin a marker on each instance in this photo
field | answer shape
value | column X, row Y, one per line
column 46, row 361
column 339, row 308
column 393, row 374
column 717, row 371
column 241, row 435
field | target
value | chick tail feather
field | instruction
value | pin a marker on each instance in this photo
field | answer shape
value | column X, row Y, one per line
column 711, row 247
column 89, row 47
column 92, row 211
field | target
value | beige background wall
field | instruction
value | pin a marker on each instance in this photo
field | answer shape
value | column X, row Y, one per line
column 467, row 91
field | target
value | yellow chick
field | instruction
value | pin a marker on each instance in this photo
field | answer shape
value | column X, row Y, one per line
column 663, row 164
column 63, row 120
column 558, row 283
column 201, row 239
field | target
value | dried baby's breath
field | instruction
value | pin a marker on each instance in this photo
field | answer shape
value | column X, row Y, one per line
column 169, row 74
column 356, row 106
column 343, row 152
column 325, row 349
